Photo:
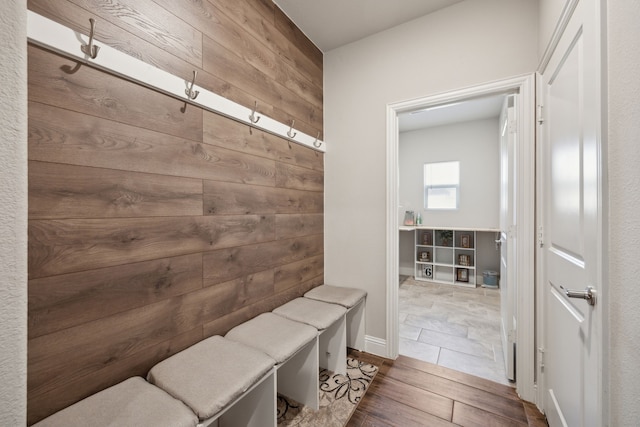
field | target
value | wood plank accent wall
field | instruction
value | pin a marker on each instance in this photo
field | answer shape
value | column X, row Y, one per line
column 152, row 225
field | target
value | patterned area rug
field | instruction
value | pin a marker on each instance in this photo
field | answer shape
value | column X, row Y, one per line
column 339, row 397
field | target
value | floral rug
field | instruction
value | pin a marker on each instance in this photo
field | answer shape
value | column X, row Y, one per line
column 339, row 397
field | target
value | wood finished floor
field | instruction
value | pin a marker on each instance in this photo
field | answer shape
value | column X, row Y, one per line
column 409, row 392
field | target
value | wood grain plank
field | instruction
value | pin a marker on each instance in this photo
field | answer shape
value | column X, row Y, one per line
column 288, row 226
column 154, row 24
column 459, row 392
column 290, row 275
column 289, row 176
column 58, row 81
column 408, row 392
column 223, row 324
column 372, row 421
column 245, row 15
column 74, row 17
column 295, row 36
column 361, row 419
column 223, row 298
column 61, row 357
column 223, row 198
column 216, row 25
column 477, row 382
column 226, row 133
column 65, row 246
column 62, row 136
column 396, row 413
column 284, row 114
column 77, row 18
column 228, row 264
column 425, row 401
column 466, row 415
column 109, row 298
column 221, row 62
column 534, row 417
column 44, row 404
column 266, row 9
column 66, row 191
column 63, row 301
column 357, row 419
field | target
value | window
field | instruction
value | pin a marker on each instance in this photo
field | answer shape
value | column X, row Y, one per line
column 441, row 185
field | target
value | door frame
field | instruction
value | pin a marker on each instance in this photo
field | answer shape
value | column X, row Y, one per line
column 525, row 232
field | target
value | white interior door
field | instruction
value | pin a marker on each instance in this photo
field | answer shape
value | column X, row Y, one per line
column 572, row 223
column 508, row 138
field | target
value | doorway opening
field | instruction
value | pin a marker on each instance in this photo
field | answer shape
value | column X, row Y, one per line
column 523, row 206
column 449, row 166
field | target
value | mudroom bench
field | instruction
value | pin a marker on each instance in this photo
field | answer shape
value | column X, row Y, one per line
column 234, row 380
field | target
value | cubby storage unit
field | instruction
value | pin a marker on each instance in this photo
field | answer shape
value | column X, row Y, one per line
column 445, row 256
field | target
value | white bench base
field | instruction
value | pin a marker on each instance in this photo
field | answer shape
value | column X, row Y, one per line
column 329, row 320
column 340, row 322
column 298, row 377
column 353, row 300
column 294, row 347
column 254, row 408
column 333, row 347
column 355, row 326
column 214, row 375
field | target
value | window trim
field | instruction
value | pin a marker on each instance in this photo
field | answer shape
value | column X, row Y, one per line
column 455, row 187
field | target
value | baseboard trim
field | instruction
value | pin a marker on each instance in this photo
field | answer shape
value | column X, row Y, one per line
column 375, row 345
column 406, row 271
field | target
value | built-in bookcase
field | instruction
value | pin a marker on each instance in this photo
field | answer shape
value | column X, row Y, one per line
column 445, row 256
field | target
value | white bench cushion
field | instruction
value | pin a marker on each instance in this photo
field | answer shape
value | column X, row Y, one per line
column 210, row 374
column 277, row 336
column 318, row 314
column 131, row 403
column 346, row 297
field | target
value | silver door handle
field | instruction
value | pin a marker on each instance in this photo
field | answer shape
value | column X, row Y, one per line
column 588, row 294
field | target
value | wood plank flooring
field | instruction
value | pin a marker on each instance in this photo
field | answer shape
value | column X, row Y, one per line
column 409, row 392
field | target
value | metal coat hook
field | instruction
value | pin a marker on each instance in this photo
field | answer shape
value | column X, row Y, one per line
column 191, row 94
column 291, row 133
column 252, row 117
column 317, row 143
column 90, row 49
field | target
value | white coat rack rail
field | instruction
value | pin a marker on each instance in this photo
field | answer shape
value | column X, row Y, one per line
column 65, row 41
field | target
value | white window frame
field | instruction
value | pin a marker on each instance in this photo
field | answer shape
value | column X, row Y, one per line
column 427, row 187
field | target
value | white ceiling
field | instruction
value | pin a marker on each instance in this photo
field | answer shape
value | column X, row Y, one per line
column 333, row 23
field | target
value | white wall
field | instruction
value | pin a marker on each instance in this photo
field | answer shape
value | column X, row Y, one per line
column 476, row 145
column 464, row 45
column 549, row 15
column 624, row 210
column 406, row 252
column 13, row 214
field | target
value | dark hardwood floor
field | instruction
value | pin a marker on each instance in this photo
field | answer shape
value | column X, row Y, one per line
column 408, row 392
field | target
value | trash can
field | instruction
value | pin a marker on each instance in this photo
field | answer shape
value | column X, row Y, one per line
column 490, row 279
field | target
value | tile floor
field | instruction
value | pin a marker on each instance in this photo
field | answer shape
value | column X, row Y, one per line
column 452, row 326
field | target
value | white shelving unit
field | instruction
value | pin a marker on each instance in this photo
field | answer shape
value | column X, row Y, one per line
column 445, row 256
